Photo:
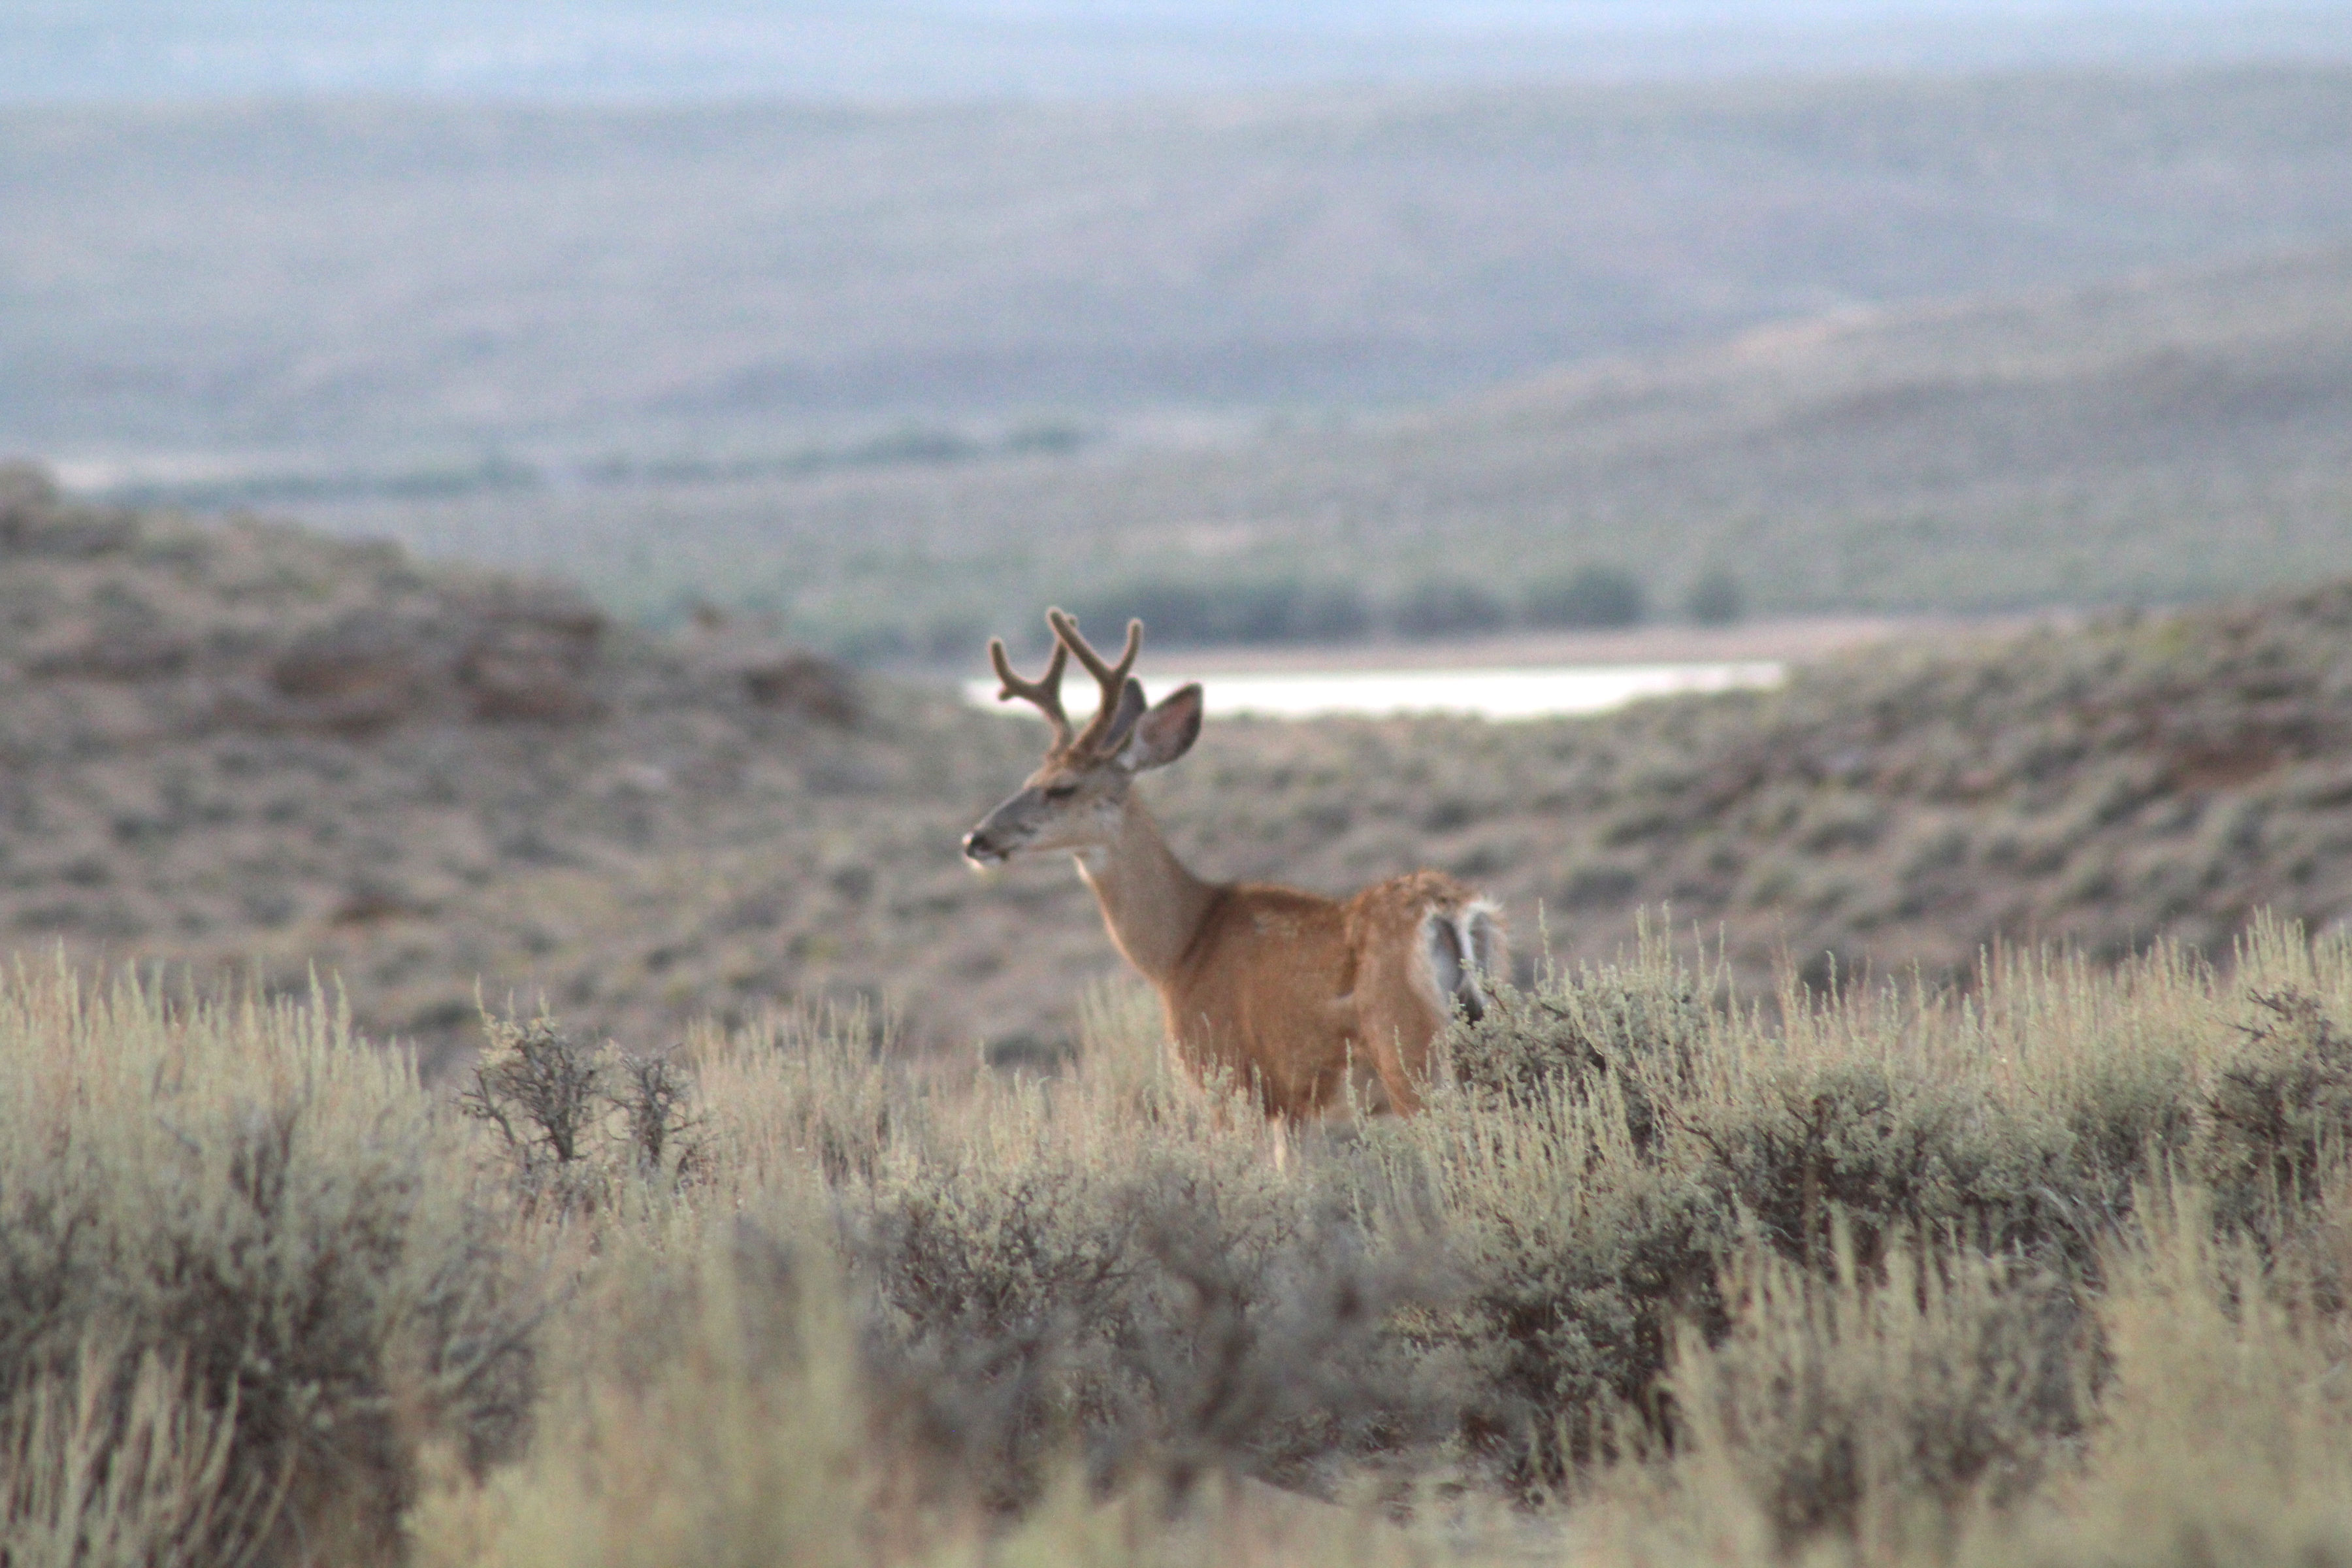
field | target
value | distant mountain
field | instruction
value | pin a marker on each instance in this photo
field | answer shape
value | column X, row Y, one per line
column 133, row 50
column 916, row 50
column 378, row 279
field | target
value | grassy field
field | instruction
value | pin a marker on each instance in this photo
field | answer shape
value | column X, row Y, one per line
column 2054, row 1273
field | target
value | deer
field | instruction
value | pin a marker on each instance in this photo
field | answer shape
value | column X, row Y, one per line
column 1314, row 1003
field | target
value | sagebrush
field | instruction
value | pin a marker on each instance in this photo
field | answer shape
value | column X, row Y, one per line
column 1889, row 1276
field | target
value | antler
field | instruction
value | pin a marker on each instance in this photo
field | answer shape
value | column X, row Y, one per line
column 1045, row 692
column 1111, row 678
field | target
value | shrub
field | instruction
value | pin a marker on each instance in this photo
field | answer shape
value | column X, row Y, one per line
column 575, row 1119
column 1716, row 598
column 1593, row 596
column 1843, row 1401
column 1262, row 610
column 714, row 1412
column 1833, row 1275
column 1446, row 606
column 541, row 1091
column 1611, row 1140
column 108, row 1462
column 2276, row 1118
column 1636, row 1026
column 1166, row 1302
column 1104, row 1266
column 232, row 1223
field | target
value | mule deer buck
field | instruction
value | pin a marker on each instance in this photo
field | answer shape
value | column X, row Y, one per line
column 1305, row 999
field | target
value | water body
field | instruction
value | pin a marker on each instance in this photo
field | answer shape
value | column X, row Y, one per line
column 1502, row 692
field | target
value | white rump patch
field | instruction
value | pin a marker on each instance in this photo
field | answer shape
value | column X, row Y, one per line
column 1464, row 947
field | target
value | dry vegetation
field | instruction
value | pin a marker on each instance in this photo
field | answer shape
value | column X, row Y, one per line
column 2035, row 1256
column 2142, row 776
column 1978, row 1189
column 248, row 745
column 244, row 745
column 2055, row 1272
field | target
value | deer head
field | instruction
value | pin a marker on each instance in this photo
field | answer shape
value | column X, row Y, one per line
column 1077, row 797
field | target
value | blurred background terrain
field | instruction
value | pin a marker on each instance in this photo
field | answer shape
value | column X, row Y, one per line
column 838, row 365
column 668, row 399
column 254, row 747
column 967, row 50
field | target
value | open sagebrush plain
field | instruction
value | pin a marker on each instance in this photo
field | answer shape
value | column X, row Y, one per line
column 2054, row 1273
column 251, row 747
column 1938, row 1203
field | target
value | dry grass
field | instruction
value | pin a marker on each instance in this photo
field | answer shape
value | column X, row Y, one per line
column 2054, row 1271
column 243, row 1264
column 1941, row 1269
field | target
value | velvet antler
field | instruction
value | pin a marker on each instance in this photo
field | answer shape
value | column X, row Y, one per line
column 1044, row 692
column 1112, row 679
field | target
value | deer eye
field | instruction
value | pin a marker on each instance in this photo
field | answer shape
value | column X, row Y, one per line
column 1060, row 792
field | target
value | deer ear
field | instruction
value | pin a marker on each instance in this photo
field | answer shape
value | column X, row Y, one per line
column 1165, row 731
column 1122, row 719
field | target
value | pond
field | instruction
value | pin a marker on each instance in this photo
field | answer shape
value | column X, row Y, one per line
column 1501, row 692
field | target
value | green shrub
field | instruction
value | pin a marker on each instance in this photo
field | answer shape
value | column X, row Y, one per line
column 271, row 1233
column 1845, row 1400
column 1446, row 607
column 1590, row 596
column 1243, row 611
column 1716, row 598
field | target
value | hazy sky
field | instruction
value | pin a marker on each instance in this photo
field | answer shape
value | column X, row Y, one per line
column 53, row 50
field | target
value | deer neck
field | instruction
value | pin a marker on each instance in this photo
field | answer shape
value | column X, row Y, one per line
column 1150, row 902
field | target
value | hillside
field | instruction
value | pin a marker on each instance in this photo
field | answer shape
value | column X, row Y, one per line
column 2146, row 777
column 372, row 286
column 251, row 745
column 2166, row 436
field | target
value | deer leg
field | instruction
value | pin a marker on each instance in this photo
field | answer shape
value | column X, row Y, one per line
column 1387, row 1058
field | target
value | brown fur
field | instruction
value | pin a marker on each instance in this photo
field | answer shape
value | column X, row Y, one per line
column 1306, row 1001
column 1306, row 998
